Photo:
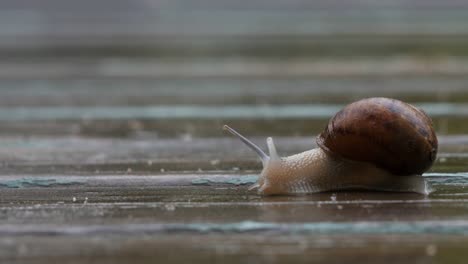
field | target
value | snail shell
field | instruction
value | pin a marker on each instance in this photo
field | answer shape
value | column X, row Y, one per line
column 388, row 133
column 376, row 144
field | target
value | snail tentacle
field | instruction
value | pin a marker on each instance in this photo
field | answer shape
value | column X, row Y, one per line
column 254, row 186
column 263, row 156
column 272, row 149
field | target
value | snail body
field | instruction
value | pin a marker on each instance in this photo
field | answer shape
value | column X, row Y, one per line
column 378, row 144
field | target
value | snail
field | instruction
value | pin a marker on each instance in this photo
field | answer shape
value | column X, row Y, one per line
column 376, row 144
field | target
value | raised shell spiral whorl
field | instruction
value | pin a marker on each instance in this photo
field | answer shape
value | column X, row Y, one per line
column 388, row 133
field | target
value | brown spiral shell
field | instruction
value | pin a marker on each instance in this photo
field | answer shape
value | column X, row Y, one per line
column 388, row 133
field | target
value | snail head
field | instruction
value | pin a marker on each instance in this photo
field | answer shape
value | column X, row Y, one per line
column 272, row 165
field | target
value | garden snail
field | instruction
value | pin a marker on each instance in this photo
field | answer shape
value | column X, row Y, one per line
column 376, row 144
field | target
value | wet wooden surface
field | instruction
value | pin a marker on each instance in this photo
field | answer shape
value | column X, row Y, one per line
column 111, row 148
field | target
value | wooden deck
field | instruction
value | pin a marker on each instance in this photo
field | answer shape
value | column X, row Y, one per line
column 111, row 147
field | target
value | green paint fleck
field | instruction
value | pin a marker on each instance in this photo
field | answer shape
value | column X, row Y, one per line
column 417, row 227
column 235, row 180
column 36, row 182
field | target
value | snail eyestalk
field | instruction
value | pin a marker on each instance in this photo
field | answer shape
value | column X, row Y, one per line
column 272, row 149
column 264, row 157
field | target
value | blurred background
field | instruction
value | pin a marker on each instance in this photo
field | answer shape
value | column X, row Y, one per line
column 178, row 69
